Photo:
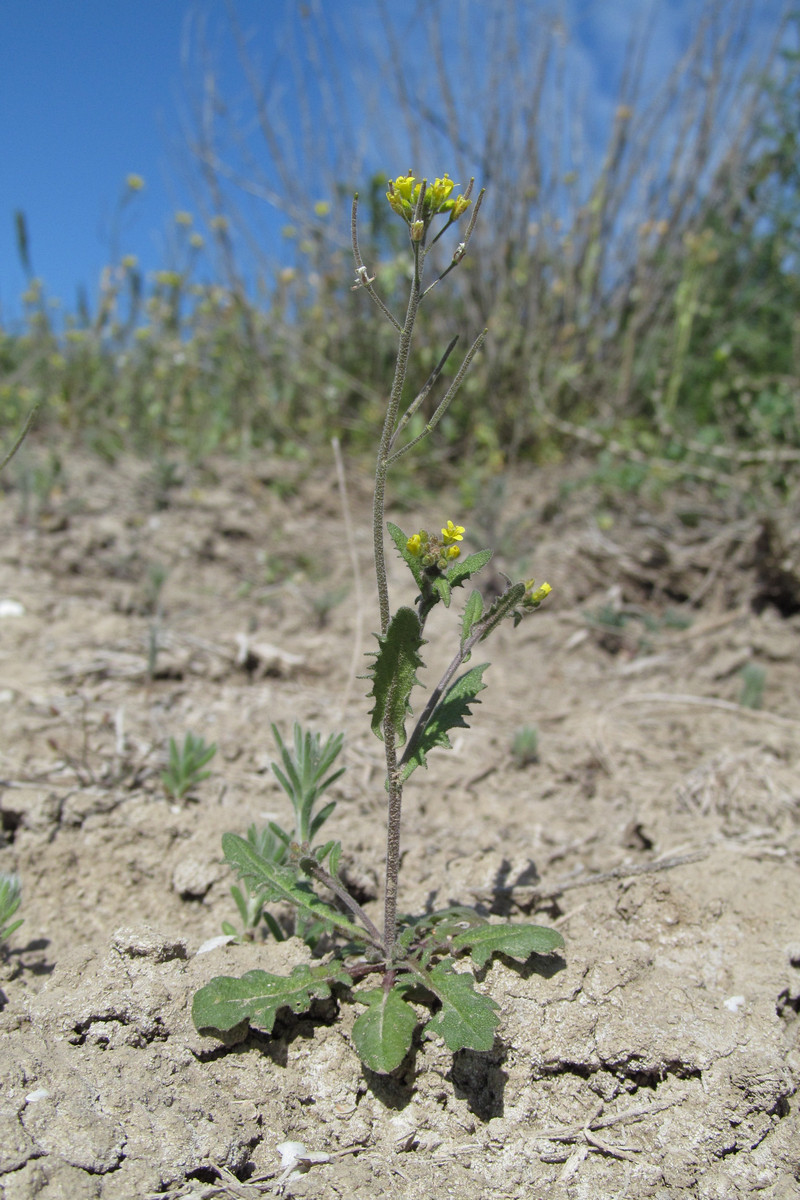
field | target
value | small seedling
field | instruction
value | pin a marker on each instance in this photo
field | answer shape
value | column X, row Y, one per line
column 251, row 904
column 10, row 900
column 409, row 964
column 753, row 677
column 186, row 764
column 304, row 777
column 525, row 746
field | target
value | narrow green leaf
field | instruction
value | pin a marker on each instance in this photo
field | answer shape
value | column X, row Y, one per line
column 472, row 613
column 393, row 673
column 465, row 567
column 257, row 996
column 400, row 540
column 273, row 881
column 517, row 941
column 449, row 714
column 503, row 607
column 467, row 1019
column 442, row 589
column 382, row 1035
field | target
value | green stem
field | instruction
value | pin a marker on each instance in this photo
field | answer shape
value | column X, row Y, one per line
column 389, row 424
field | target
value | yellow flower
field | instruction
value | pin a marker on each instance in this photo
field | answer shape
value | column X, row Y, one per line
column 403, row 196
column 414, row 544
column 453, row 533
column 453, row 551
column 134, row 183
column 535, row 598
column 439, row 191
column 183, row 218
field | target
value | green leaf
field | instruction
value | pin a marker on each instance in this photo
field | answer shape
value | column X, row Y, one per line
column 472, row 613
column 449, row 714
column 517, row 941
column 257, row 996
column 400, row 540
column 465, row 567
column 442, row 589
column 467, row 1019
column 273, row 881
column 503, row 607
column 382, row 1035
column 393, row 672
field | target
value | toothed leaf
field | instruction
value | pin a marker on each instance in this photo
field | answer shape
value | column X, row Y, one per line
column 503, row 607
column 517, row 941
column 257, row 996
column 400, row 540
column 394, row 672
column 467, row 1019
column 382, row 1035
column 450, row 714
column 465, row 567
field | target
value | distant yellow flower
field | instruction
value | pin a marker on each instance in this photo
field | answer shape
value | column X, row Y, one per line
column 134, row 183
column 403, row 196
column 533, row 598
column 183, row 218
column 453, row 533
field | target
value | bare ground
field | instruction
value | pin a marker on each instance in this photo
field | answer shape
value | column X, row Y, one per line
column 657, row 830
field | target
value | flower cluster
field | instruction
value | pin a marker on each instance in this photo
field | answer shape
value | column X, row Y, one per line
column 403, row 195
column 437, row 551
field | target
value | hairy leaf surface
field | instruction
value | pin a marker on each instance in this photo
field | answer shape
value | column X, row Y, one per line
column 517, row 941
column 257, row 996
column 449, row 714
column 467, row 1019
column 394, row 672
column 400, row 540
column 503, row 607
column 465, row 567
column 382, row 1035
column 472, row 613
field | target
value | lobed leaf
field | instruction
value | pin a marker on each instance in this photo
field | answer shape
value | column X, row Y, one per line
column 394, row 672
column 467, row 1019
column 503, row 607
column 382, row 1035
column 257, row 996
column 465, row 567
column 517, row 941
column 449, row 714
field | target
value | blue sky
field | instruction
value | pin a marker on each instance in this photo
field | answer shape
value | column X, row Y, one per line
column 92, row 91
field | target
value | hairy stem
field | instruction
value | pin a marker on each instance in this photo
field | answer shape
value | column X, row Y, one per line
column 315, row 869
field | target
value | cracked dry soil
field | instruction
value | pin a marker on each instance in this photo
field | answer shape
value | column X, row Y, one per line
column 657, row 830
